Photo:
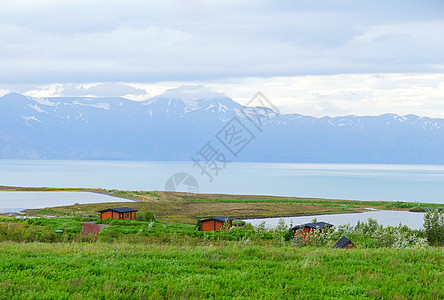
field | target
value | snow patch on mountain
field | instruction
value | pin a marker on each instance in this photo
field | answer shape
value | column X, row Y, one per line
column 105, row 106
column 223, row 108
column 30, row 118
column 43, row 101
column 399, row 118
column 149, row 102
column 191, row 105
column 37, row 108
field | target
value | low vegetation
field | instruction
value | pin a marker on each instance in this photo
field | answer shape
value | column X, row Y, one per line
column 131, row 271
column 434, row 227
column 152, row 259
column 148, row 229
column 163, row 255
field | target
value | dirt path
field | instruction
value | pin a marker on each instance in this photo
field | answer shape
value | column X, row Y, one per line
column 92, row 227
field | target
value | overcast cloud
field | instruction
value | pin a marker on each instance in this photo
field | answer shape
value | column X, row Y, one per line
column 52, row 46
column 44, row 41
column 107, row 89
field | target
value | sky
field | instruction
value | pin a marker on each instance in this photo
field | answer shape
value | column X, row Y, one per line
column 311, row 57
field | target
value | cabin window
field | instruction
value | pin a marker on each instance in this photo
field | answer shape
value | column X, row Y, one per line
column 126, row 215
column 121, row 215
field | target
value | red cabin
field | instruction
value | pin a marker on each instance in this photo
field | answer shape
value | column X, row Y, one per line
column 120, row 213
column 215, row 223
column 310, row 228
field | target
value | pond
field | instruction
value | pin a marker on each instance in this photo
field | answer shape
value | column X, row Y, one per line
column 385, row 217
column 11, row 202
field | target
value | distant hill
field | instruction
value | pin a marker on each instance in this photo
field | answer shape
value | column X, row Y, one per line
column 164, row 128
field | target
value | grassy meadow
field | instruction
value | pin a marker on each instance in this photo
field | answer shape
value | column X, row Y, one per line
column 162, row 255
column 133, row 271
column 154, row 259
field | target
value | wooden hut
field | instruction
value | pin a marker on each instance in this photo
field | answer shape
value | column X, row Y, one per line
column 120, row 213
column 214, row 223
column 310, row 228
column 344, row 243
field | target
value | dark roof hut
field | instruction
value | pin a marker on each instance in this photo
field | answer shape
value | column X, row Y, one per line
column 344, row 243
column 310, row 228
column 317, row 225
column 120, row 213
column 214, row 223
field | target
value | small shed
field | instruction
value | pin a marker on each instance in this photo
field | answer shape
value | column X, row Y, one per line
column 120, row 213
column 214, row 223
column 311, row 227
column 344, row 243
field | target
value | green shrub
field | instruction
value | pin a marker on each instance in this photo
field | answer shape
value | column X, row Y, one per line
column 23, row 232
column 148, row 216
column 399, row 204
column 418, row 208
column 366, row 228
column 71, row 226
column 434, row 227
column 238, row 223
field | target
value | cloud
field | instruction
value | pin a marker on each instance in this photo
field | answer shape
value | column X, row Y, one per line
column 47, row 41
column 191, row 92
column 108, row 89
column 348, row 94
column 315, row 95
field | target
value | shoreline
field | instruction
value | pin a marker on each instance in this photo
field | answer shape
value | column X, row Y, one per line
column 5, row 188
column 187, row 208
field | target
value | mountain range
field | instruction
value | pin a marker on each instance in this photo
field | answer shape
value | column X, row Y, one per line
column 165, row 129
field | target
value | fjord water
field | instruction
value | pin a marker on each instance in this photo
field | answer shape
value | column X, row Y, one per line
column 413, row 183
column 17, row 201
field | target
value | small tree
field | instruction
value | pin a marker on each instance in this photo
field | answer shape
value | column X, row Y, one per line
column 282, row 232
column 434, row 227
column 260, row 230
column 148, row 216
column 227, row 225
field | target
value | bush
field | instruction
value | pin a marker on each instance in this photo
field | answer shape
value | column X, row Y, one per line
column 69, row 225
column 434, row 227
column 282, row 232
column 23, row 232
column 419, row 208
column 238, row 223
column 366, row 228
column 368, row 234
column 398, row 204
column 148, row 216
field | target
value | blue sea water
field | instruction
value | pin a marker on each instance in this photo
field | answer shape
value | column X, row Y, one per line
column 414, row 183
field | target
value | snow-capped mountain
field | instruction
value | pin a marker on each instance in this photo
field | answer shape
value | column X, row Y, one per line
column 174, row 128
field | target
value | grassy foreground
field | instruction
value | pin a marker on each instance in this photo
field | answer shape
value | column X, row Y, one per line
column 130, row 271
column 163, row 256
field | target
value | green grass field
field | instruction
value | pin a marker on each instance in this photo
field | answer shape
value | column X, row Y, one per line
column 168, row 258
column 130, row 271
